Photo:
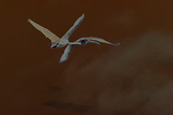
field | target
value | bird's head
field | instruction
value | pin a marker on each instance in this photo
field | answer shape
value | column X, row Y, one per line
column 53, row 45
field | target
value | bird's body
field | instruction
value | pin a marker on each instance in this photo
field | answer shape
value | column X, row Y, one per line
column 62, row 43
column 57, row 42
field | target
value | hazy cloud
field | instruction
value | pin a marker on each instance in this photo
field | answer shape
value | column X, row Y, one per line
column 130, row 79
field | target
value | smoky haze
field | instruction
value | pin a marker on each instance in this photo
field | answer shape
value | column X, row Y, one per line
column 139, row 84
column 134, row 78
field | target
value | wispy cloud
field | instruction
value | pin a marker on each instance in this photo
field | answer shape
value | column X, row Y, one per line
column 130, row 79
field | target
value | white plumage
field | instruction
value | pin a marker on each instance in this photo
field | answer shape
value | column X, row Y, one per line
column 57, row 42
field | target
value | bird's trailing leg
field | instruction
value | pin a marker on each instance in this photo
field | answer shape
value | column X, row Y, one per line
column 94, row 42
column 116, row 44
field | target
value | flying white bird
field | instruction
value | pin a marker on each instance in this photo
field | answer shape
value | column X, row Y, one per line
column 57, row 42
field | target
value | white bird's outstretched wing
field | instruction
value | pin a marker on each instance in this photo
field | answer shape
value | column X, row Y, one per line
column 46, row 32
column 100, row 40
column 66, row 53
column 73, row 28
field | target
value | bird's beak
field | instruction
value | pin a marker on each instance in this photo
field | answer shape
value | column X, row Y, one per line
column 51, row 46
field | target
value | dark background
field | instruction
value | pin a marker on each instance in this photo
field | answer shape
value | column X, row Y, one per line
column 132, row 79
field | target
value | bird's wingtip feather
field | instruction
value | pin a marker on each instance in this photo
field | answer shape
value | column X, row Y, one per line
column 83, row 15
column 29, row 20
column 62, row 60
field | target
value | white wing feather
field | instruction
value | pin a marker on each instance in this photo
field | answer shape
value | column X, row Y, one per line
column 66, row 53
column 73, row 28
column 45, row 31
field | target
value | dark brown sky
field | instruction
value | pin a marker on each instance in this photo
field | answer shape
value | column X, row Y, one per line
column 132, row 79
